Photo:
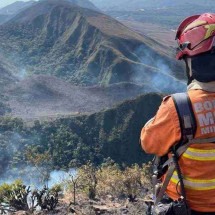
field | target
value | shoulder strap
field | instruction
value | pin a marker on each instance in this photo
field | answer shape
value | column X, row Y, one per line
column 186, row 116
column 188, row 128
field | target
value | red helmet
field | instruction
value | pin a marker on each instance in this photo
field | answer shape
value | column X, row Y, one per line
column 196, row 35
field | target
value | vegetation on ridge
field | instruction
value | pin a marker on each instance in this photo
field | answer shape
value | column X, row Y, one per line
column 82, row 46
column 73, row 141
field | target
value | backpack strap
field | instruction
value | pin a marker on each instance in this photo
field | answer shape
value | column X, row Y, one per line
column 188, row 128
column 186, row 117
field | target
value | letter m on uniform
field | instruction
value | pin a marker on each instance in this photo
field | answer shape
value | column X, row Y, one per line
column 206, row 119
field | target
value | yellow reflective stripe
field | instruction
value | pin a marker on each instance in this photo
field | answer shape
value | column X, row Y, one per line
column 200, row 154
column 195, row 24
column 210, row 31
column 195, row 184
column 201, row 150
column 199, row 158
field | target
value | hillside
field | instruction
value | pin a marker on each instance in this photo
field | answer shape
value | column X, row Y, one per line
column 84, row 3
column 159, row 33
column 84, row 47
column 7, row 73
column 47, row 97
column 16, row 7
column 8, row 12
column 4, row 18
column 74, row 140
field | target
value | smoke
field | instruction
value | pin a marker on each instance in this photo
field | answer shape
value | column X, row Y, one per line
column 13, row 165
column 60, row 176
column 154, row 71
column 22, row 74
column 29, row 175
column 36, row 177
column 12, row 159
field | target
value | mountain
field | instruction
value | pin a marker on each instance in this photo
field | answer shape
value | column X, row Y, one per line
column 4, row 18
column 8, row 12
column 11, row 10
column 84, row 47
column 16, row 7
column 84, row 3
column 7, row 78
column 128, row 5
column 7, row 73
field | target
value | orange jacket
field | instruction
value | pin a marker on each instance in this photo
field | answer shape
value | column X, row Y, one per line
column 198, row 162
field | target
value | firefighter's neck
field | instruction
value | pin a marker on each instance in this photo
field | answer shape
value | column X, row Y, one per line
column 196, row 85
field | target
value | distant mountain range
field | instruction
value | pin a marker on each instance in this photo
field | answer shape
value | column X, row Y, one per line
column 165, row 13
column 128, row 5
column 16, row 7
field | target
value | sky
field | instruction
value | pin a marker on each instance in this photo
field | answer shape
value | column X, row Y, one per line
column 4, row 3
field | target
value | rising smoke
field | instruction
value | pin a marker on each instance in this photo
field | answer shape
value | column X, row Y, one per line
column 13, row 164
column 22, row 74
column 155, row 71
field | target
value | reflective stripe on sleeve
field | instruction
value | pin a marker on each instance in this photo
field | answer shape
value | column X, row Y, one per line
column 200, row 154
column 195, row 184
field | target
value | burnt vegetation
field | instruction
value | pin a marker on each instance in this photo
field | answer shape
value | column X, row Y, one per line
column 107, row 188
column 17, row 197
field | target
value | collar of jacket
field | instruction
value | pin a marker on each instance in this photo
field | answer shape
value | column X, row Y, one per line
column 196, row 85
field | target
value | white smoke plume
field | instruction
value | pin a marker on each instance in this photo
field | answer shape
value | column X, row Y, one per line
column 154, row 71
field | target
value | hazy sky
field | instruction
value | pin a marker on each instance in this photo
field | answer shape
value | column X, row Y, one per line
column 3, row 3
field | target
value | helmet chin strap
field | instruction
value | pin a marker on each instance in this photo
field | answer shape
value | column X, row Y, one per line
column 188, row 70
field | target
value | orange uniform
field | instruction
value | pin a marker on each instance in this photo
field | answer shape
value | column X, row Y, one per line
column 198, row 162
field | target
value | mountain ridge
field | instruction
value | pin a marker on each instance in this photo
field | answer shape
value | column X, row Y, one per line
column 83, row 46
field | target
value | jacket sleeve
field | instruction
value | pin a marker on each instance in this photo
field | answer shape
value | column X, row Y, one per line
column 162, row 131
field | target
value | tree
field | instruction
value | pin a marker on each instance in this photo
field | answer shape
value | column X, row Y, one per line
column 87, row 175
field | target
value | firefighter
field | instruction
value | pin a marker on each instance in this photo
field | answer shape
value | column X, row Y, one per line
column 196, row 47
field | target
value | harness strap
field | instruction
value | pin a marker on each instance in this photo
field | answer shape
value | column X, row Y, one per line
column 165, row 183
column 186, row 116
column 184, row 147
column 188, row 129
column 205, row 140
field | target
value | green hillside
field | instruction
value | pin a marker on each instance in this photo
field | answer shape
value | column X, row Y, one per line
column 83, row 46
column 72, row 141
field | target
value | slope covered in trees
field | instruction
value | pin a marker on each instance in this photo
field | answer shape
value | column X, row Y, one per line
column 73, row 141
column 82, row 46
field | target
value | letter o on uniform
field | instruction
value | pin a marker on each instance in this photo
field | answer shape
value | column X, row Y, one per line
column 208, row 105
